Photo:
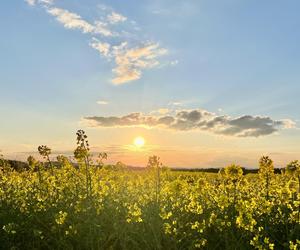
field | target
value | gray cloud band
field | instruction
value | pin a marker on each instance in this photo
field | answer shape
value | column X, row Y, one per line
column 186, row 120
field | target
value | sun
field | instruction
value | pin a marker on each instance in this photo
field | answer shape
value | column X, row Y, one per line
column 139, row 142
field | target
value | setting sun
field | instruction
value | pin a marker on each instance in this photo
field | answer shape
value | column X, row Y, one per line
column 139, row 142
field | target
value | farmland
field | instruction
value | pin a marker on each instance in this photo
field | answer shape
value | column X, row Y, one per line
column 90, row 205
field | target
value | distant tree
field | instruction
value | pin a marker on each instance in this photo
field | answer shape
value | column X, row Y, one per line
column 4, row 165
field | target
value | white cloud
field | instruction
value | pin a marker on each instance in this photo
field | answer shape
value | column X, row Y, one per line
column 102, row 102
column 31, row 2
column 163, row 111
column 130, row 60
column 288, row 123
column 48, row 2
column 102, row 7
column 176, row 103
column 161, row 11
column 71, row 20
column 34, row 2
column 102, row 47
column 101, row 28
column 173, row 63
column 116, row 18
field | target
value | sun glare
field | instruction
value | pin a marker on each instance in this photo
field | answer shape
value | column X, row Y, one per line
column 139, row 142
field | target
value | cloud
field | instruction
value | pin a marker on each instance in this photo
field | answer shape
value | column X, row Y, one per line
column 160, row 11
column 71, row 20
column 176, row 103
column 49, row 2
column 34, row 2
column 131, row 56
column 102, row 102
column 102, row 47
column 173, row 63
column 116, row 18
column 289, row 123
column 198, row 119
column 163, row 111
column 129, row 62
column 102, row 28
column 31, row 2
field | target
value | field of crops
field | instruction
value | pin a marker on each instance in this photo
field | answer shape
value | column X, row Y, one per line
column 93, row 206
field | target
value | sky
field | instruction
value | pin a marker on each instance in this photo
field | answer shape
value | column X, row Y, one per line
column 206, row 83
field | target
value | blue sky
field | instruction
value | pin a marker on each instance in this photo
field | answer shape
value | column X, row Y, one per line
column 230, row 58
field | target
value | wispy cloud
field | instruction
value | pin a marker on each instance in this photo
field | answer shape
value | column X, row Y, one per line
column 161, row 111
column 102, row 47
column 130, row 58
column 116, row 18
column 174, row 62
column 199, row 119
column 30, row 2
column 102, row 102
column 176, row 103
column 102, row 28
column 34, row 2
column 129, row 62
column 71, row 20
column 161, row 11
